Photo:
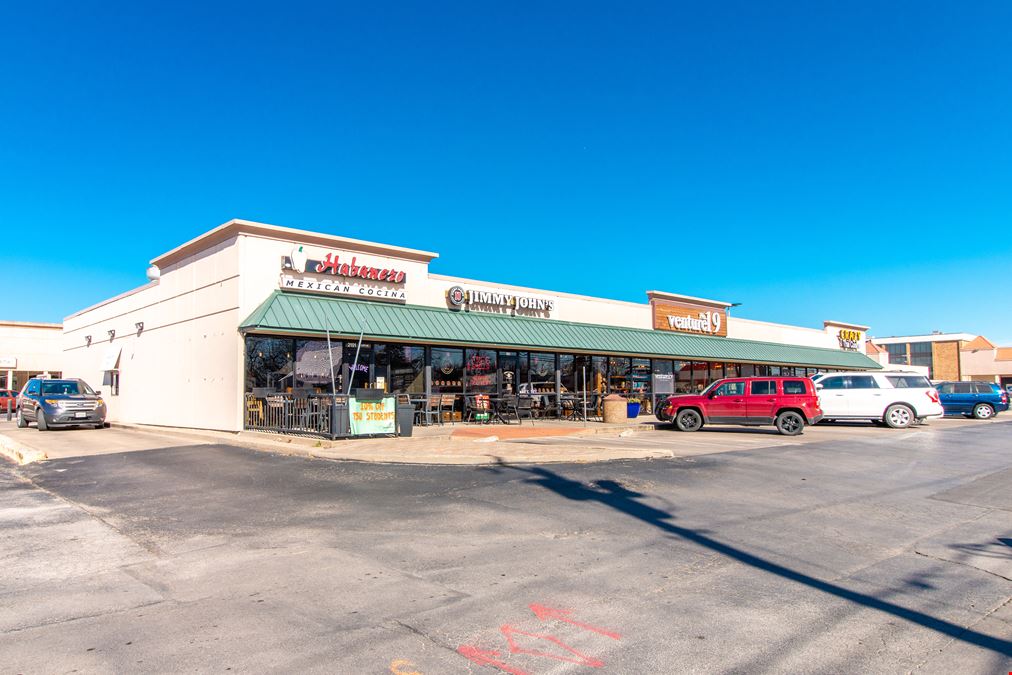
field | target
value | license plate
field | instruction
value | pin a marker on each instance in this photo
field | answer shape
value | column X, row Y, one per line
column 80, row 414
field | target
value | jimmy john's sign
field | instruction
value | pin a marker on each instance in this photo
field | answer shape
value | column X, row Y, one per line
column 498, row 302
column 702, row 320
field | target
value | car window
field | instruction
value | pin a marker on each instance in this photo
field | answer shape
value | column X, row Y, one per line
column 763, row 387
column 794, row 387
column 945, row 388
column 730, row 389
column 863, row 382
column 908, row 381
column 983, row 387
column 962, row 387
column 834, row 382
column 33, row 388
column 65, row 388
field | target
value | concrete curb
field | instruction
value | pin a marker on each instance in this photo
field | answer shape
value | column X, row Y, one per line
column 18, row 452
column 416, row 449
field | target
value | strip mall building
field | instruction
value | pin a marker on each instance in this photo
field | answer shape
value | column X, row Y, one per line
column 243, row 310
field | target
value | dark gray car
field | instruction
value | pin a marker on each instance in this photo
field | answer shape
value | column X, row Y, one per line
column 57, row 403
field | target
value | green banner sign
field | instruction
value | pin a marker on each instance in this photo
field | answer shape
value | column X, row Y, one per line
column 373, row 417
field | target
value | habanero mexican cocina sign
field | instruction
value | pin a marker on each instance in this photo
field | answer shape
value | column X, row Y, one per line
column 690, row 318
column 341, row 274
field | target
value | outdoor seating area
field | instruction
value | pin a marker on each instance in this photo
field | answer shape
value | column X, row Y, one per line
column 441, row 409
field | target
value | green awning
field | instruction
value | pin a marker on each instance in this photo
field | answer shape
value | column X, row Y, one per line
column 297, row 313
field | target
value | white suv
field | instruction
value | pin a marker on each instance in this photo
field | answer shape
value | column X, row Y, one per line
column 895, row 399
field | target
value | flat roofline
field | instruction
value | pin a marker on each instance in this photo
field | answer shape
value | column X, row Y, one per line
column 934, row 337
column 31, row 324
column 114, row 298
column 676, row 297
column 536, row 291
column 237, row 226
column 845, row 325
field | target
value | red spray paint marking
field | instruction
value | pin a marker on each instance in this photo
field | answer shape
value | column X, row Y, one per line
column 544, row 613
column 510, row 631
column 487, row 657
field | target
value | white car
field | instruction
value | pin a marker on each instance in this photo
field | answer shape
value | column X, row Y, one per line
column 895, row 399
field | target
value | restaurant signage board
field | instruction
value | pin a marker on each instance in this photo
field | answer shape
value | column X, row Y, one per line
column 499, row 302
column 372, row 417
column 690, row 319
column 342, row 274
column 849, row 338
column 8, row 362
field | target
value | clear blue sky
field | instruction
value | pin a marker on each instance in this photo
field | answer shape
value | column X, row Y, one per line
column 848, row 161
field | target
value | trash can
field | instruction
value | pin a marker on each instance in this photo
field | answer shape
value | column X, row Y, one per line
column 405, row 416
column 340, row 422
column 615, row 409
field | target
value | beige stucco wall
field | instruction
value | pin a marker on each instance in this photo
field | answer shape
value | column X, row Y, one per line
column 980, row 364
column 32, row 347
column 184, row 368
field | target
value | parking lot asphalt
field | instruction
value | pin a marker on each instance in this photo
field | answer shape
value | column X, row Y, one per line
column 884, row 552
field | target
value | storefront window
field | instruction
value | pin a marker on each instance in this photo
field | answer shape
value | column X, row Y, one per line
column 762, row 371
column 683, row 377
column 269, row 363
column 618, row 375
column 312, row 366
column 641, row 385
column 774, row 371
column 447, row 370
column 358, row 369
column 746, row 370
column 481, row 371
column 401, row 367
column 700, row 375
column 597, row 377
column 523, row 371
column 567, row 372
column 542, row 372
column 730, row 370
column 716, row 371
column 508, row 366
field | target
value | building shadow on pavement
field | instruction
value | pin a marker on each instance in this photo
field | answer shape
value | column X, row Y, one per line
column 613, row 495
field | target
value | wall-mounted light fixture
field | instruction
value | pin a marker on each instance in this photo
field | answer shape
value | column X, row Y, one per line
column 139, row 326
column 87, row 340
column 112, row 334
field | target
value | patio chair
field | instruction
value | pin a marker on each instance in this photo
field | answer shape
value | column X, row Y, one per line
column 431, row 411
column 525, row 409
column 447, row 403
column 508, row 407
column 254, row 412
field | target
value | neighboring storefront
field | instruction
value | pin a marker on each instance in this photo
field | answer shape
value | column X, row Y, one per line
column 948, row 356
column 27, row 350
column 243, row 313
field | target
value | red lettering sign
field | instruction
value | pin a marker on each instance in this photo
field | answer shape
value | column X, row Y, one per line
column 332, row 264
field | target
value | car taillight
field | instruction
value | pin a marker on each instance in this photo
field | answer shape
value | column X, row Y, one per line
column 933, row 395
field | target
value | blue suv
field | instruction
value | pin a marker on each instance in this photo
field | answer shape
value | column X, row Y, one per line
column 982, row 400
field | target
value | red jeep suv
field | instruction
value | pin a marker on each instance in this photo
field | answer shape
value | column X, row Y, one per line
column 789, row 403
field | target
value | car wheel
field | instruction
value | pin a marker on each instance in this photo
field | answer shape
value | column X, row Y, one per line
column 790, row 423
column 689, row 420
column 40, row 419
column 898, row 416
column 983, row 411
column 22, row 422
